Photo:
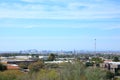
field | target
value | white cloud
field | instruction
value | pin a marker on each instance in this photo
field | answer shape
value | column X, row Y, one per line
column 57, row 15
column 71, row 10
column 33, row 1
column 112, row 27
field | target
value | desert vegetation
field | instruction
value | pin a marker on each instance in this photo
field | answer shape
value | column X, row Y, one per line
column 63, row 71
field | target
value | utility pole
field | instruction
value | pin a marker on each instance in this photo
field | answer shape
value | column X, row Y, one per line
column 74, row 53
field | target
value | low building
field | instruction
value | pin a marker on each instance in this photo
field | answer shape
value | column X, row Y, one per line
column 19, row 61
column 23, row 57
column 57, row 62
column 112, row 66
column 43, row 57
column 12, row 67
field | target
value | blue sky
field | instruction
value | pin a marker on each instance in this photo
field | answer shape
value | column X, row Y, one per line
column 59, row 24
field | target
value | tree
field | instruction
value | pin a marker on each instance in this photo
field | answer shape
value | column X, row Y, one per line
column 87, row 64
column 116, row 59
column 97, row 60
column 35, row 67
column 2, row 67
column 51, row 57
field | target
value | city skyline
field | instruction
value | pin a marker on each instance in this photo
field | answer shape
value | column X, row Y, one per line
column 59, row 24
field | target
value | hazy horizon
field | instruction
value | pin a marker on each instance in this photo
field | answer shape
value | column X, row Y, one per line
column 59, row 24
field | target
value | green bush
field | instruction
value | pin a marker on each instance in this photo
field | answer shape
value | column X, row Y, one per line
column 87, row 64
column 95, row 74
column 10, row 75
column 109, row 75
column 65, row 71
column 23, row 65
column 2, row 67
column 35, row 67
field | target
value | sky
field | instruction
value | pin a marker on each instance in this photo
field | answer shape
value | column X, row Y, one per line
column 59, row 24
